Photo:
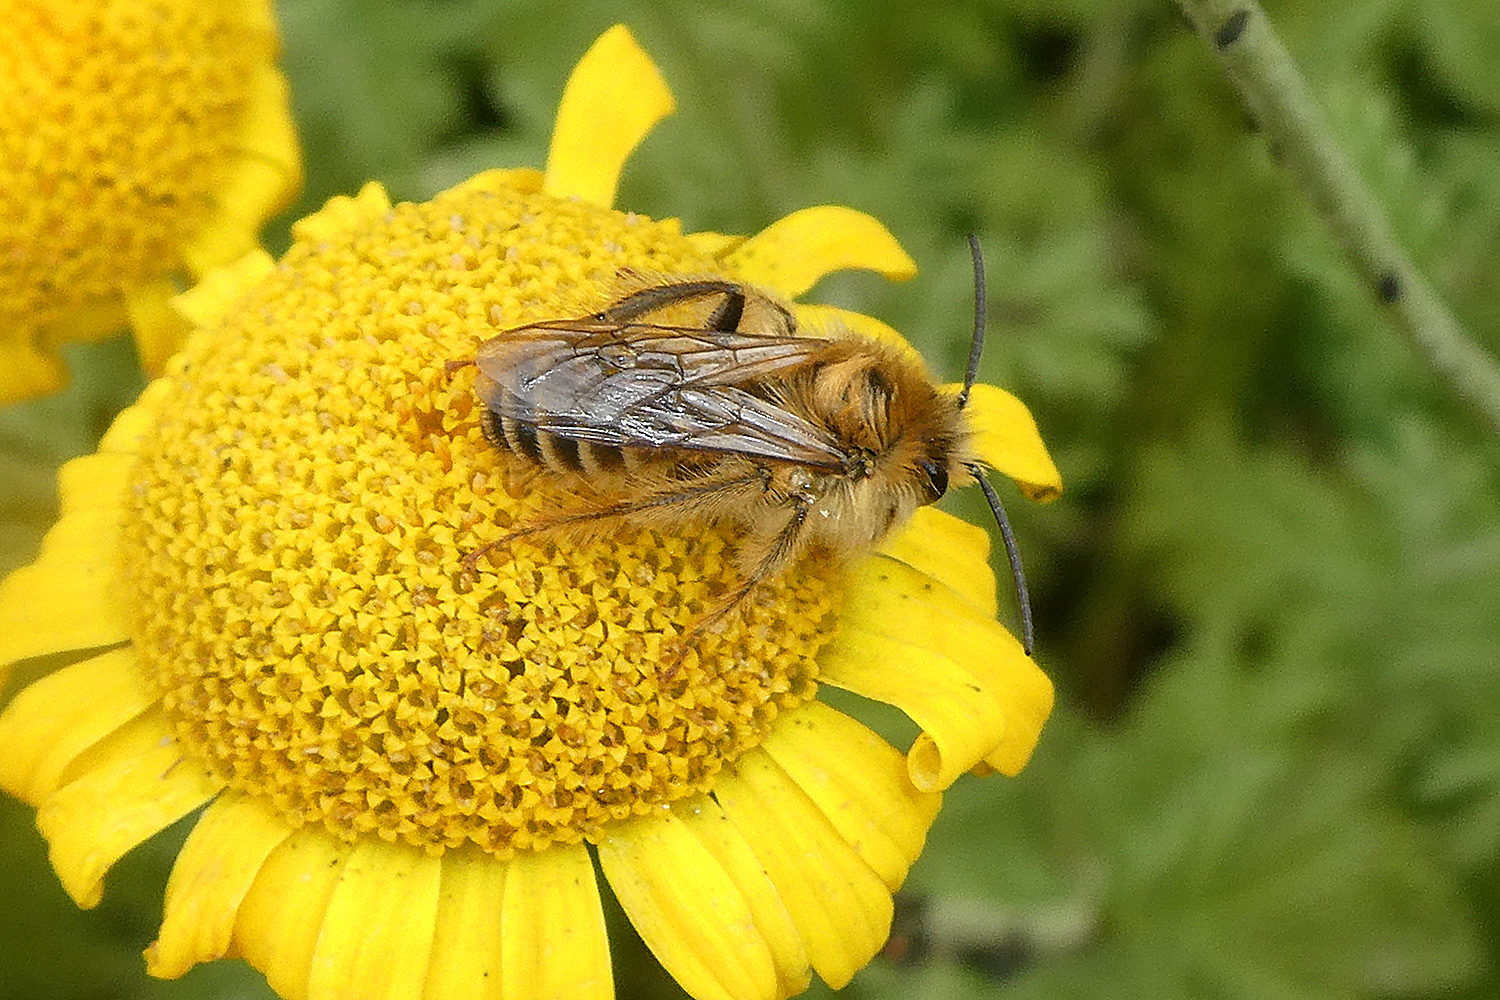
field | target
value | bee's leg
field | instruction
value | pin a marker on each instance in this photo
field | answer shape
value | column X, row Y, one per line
column 783, row 547
column 656, row 297
column 455, row 365
column 693, row 494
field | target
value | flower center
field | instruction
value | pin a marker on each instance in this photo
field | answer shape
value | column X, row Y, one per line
column 301, row 510
column 118, row 119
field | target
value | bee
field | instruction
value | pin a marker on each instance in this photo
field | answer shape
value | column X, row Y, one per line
column 699, row 401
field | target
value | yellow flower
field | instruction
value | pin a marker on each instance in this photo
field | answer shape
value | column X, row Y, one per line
column 138, row 139
column 409, row 768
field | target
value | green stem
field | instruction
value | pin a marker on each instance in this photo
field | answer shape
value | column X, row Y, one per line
column 1273, row 90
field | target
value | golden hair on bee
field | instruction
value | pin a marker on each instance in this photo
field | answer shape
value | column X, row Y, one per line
column 697, row 400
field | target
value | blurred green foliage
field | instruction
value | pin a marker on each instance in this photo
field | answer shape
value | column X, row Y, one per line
column 1271, row 594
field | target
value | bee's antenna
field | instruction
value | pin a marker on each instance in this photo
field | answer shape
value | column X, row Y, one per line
column 971, row 370
column 976, row 346
column 1012, row 552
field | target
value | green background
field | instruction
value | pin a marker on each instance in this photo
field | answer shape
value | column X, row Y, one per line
column 1270, row 597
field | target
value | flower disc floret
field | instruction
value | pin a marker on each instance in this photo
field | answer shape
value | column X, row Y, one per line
column 141, row 142
column 298, row 520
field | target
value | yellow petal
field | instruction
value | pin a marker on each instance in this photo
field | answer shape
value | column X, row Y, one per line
column 1007, row 440
column 26, row 371
column 859, row 782
column 54, row 720
column 964, row 724
column 552, row 936
column 343, row 216
column 279, row 920
column 465, row 958
column 838, row 904
column 687, row 909
column 211, row 299
column 116, row 455
column 138, row 784
column 888, row 649
column 263, row 178
column 1009, row 758
column 260, row 16
column 70, row 597
column 791, row 254
column 269, row 132
column 83, row 529
column 715, row 245
column 993, row 658
column 960, row 676
column 377, row 932
column 951, row 551
column 611, row 101
column 831, row 321
column 210, row 878
column 158, row 329
column 85, row 321
column 703, row 816
column 523, row 180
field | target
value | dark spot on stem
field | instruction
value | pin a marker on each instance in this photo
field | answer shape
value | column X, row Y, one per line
column 1230, row 31
column 1389, row 287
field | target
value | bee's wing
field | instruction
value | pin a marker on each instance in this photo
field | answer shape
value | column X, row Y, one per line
column 640, row 385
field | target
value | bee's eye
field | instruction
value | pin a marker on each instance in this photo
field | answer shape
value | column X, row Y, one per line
column 937, row 479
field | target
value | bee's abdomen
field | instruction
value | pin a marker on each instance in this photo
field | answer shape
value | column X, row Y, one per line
column 551, row 451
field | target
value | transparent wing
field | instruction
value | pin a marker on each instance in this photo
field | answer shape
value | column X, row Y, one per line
column 640, row 385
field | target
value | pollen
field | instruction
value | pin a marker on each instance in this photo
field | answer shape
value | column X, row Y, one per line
column 299, row 517
column 117, row 122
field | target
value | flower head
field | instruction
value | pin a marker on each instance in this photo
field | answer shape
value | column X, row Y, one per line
column 404, row 762
column 138, row 139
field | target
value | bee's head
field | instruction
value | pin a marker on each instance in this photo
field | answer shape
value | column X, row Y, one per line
column 931, row 454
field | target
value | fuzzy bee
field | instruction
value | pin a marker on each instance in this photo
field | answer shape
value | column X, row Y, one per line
column 698, row 401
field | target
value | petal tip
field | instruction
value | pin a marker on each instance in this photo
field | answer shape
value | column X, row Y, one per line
column 794, row 252
column 614, row 97
column 1006, row 438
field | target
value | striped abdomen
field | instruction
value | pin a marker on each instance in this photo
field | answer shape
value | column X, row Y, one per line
column 559, row 454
